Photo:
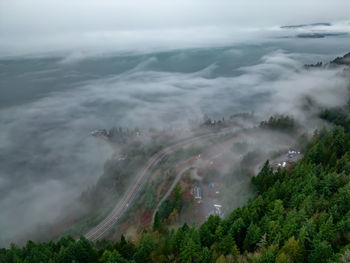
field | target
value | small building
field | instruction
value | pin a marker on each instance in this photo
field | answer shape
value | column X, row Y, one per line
column 218, row 210
column 197, row 194
column 292, row 153
column 283, row 164
column 279, row 165
column 99, row 133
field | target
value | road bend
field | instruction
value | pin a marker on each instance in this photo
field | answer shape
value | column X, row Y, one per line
column 98, row 231
column 175, row 182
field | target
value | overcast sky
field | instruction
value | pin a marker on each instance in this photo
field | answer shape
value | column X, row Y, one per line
column 37, row 26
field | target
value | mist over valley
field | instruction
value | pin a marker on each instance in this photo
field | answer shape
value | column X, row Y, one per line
column 100, row 121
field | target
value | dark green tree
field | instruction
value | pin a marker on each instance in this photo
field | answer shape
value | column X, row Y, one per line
column 146, row 246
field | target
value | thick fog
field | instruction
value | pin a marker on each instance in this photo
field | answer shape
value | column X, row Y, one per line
column 47, row 159
column 71, row 67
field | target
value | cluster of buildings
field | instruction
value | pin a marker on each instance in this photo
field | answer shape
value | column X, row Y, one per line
column 292, row 157
column 214, row 189
column 292, row 153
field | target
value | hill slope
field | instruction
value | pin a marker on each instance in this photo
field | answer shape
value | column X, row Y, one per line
column 297, row 216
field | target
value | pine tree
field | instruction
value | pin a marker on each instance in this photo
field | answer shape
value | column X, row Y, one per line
column 227, row 244
column 157, row 222
column 189, row 251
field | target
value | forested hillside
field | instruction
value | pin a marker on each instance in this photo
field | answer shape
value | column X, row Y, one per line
column 301, row 215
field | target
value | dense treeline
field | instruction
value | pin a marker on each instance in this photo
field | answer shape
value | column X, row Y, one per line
column 338, row 116
column 342, row 60
column 279, row 122
column 300, row 215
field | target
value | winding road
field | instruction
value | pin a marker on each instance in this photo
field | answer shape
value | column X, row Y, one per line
column 139, row 181
column 175, row 182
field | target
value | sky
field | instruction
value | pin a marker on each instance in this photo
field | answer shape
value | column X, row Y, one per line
column 35, row 27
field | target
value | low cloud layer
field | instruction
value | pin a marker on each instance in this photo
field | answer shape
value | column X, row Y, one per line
column 47, row 159
column 42, row 27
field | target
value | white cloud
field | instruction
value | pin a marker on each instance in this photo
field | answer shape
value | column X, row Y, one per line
column 41, row 26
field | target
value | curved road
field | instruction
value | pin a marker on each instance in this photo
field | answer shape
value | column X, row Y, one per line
column 177, row 179
column 140, row 179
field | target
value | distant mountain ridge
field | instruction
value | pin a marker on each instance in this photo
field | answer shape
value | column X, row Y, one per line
column 321, row 35
column 305, row 25
column 345, row 60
